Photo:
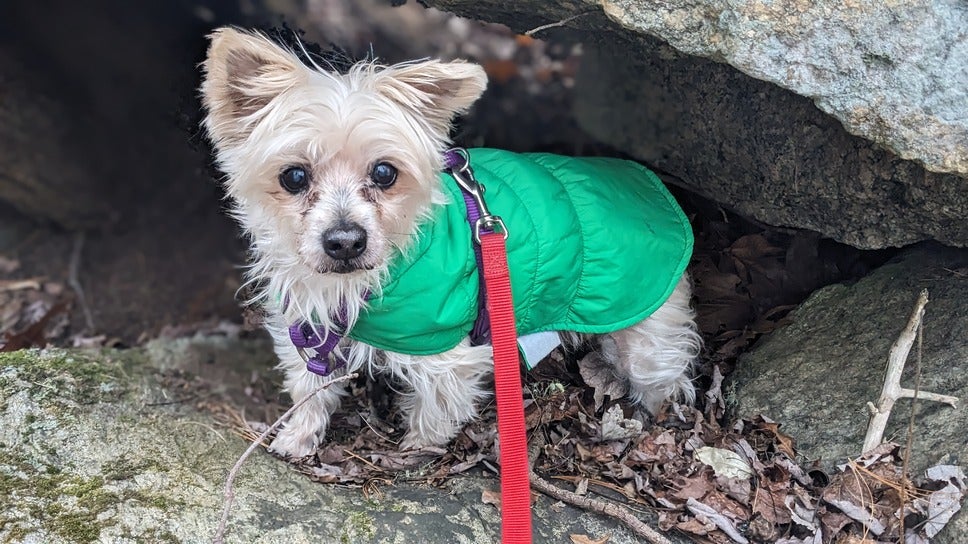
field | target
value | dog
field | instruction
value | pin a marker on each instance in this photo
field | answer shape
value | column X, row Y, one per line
column 333, row 176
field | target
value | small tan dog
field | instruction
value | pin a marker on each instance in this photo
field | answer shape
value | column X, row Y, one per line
column 331, row 175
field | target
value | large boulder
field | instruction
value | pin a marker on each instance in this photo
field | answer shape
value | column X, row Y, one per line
column 817, row 375
column 894, row 74
column 110, row 447
column 764, row 151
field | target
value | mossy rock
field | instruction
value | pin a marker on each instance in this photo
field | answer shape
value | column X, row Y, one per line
column 94, row 448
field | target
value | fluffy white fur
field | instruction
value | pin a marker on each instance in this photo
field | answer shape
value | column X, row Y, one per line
column 267, row 112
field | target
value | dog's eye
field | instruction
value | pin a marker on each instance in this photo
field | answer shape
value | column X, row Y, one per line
column 383, row 174
column 294, row 179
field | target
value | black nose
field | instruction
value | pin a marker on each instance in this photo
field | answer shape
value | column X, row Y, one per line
column 344, row 241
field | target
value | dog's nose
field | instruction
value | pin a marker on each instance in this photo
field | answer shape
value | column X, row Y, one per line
column 344, row 241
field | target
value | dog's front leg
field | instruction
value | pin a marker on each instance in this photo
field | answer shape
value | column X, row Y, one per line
column 306, row 428
column 444, row 391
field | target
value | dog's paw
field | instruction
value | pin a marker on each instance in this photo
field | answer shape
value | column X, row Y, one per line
column 292, row 445
column 415, row 441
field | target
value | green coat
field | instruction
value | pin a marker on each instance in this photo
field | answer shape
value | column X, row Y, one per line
column 595, row 245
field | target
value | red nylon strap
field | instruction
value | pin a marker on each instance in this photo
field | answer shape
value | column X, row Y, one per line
column 515, row 488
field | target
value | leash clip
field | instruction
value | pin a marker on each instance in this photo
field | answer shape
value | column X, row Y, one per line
column 464, row 176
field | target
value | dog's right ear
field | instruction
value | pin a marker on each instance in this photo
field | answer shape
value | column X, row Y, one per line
column 243, row 72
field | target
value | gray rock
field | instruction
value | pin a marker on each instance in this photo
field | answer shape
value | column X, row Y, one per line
column 761, row 150
column 94, row 448
column 894, row 74
column 816, row 375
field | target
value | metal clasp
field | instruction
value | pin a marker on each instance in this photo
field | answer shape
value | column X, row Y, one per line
column 464, row 176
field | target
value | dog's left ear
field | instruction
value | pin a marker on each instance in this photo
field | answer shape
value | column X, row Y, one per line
column 435, row 90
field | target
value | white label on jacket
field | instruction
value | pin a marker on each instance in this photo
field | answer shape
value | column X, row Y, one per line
column 537, row 346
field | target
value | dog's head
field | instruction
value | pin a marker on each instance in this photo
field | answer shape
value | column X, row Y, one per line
column 329, row 172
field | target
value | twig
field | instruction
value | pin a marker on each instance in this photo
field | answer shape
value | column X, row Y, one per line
column 910, row 432
column 563, row 22
column 75, row 283
column 715, row 403
column 16, row 285
column 892, row 389
column 229, row 491
column 609, row 509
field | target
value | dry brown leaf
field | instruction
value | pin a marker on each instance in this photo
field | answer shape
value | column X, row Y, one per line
column 598, row 374
column 492, row 497
column 695, row 487
column 783, row 443
column 616, row 427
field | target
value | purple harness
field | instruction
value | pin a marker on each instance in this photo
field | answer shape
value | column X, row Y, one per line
column 326, row 359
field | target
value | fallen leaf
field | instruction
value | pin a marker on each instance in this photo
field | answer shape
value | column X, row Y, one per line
column 598, row 375
column 724, row 462
column 782, row 442
column 942, row 505
column 692, row 488
column 724, row 524
column 616, row 427
column 489, row 496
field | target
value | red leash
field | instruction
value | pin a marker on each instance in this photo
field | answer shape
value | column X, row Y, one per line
column 490, row 232
column 515, row 488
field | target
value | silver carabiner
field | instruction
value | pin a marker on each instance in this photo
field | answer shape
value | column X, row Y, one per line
column 464, row 176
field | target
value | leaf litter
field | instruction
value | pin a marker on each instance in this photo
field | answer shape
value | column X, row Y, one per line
column 34, row 311
column 737, row 483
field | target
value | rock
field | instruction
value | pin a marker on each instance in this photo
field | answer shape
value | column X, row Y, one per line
column 816, row 375
column 94, row 446
column 95, row 112
column 37, row 131
column 764, row 151
column 894, row 73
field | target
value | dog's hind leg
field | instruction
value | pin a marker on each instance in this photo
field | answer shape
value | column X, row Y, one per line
column 444, row 391
column 657, row 354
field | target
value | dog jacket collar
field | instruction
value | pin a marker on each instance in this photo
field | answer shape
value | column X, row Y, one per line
column 599, row 244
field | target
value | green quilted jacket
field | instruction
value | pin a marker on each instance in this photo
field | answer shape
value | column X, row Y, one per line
column 595, row 245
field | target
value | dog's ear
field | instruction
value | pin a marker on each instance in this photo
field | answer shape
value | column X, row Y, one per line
column 436, row 90
column 243, row 72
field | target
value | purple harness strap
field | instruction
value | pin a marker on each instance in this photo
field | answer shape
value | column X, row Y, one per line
column 481, row 331
column 327, row 359
column 303, row 336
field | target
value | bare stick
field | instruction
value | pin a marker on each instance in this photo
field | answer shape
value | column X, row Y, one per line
column 229, row 491
column 537, row 29
column 609, row 509
column 75, row 283
column 892, row 389
column 910, row 431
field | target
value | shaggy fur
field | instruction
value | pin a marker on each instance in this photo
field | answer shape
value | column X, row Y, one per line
column 267, row 112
